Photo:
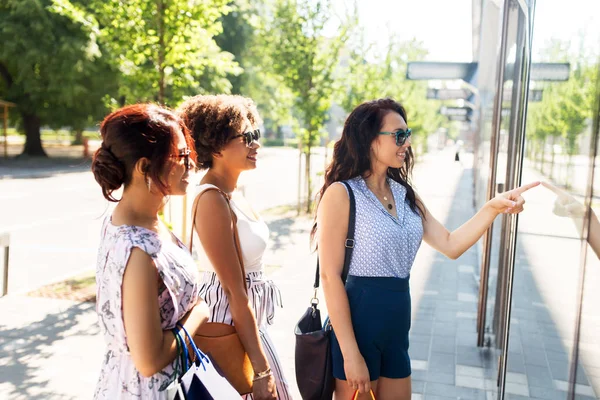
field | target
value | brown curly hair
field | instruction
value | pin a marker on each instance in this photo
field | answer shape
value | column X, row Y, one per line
column 214, row 119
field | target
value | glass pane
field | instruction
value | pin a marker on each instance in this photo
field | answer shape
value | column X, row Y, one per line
column 548, row 254
column 588, row 367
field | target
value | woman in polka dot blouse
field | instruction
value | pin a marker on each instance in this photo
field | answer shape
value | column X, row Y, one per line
column 370, row 314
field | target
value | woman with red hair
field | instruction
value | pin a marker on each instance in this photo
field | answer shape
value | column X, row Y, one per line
column 146, row 279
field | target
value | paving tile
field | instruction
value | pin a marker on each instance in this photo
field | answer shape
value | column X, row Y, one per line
column 418, row 374
column 442, row 362
column 582, row 397
column 420, row 365
column 441, row 377
column 535, row 356
column 436, row 397
column 417, row 386
column 466, row 269
column 539, row 376
column 466, row 370
column 467, row 297
column 560, row 371
column 419, row 338
column 516, row 364
column 440, row 389
column 470, row 382
column 516, row 388
column 516, row 378
column 419, row 350
column 548, row 393
column 512, row 396
column 471, row 393
column 467, row 339
column 579, row 389
column 470, row 356
column 421, row 329
column 440, row 345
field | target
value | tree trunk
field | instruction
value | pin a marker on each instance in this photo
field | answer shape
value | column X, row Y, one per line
column 308, row 182
column 161, row 53
column 33, row 138
column 543, row 155
column 552, row 159
column 569, row 168
column 78, row 136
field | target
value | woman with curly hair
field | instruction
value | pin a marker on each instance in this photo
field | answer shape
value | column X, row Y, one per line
column 370, row 312
column 225, row 130
column 146, row 279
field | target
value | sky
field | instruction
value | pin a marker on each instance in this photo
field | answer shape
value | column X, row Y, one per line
column 445, row 28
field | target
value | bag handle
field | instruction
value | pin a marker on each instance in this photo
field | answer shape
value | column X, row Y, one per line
column 356, row 395
column 200, row 356
column 179, row 357
column 349, row 244
column 183, row 351
column 236, row 237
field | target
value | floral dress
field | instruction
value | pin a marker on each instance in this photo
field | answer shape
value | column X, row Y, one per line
column 119, row 379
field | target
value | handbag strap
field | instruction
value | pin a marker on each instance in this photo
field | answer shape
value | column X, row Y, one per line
column 236, row 237
column 349, row 243
column 356, row 395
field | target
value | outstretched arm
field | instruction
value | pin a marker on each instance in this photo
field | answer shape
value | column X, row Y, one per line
column 454, row 244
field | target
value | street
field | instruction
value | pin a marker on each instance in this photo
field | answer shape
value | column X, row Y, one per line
column 54, row 221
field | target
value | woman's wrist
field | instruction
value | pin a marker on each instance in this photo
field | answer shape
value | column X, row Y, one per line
column 260, row 366
column 262, row 375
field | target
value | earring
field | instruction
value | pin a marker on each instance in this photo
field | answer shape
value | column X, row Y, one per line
column 149, row 184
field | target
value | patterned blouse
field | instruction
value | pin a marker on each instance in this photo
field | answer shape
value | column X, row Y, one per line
column 119, row 379
column 384, row 246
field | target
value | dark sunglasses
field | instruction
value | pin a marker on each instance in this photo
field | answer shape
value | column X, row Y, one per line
column 185, row 154
column 249, row 137
column 401, row 136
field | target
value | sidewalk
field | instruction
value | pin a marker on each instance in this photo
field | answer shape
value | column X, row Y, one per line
column 52, row 348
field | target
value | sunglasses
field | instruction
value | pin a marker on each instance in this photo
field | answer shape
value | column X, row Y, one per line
column 249, row 137
column 401, row 136
column 185, row 154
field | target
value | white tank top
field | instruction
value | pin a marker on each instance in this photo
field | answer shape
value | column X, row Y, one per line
column 254, row 236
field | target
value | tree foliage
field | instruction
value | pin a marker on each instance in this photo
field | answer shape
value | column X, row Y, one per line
column 51, row 66
column 371, row 76
column 306, row 60
column 166, row 49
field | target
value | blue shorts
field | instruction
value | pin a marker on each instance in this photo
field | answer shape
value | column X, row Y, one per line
column 380, row 311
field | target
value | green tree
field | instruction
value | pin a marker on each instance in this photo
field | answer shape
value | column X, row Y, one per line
column 165, row 49
column 566, row 106
column 386, row 77
column 238, row 32
column 306, row 60
column 50, row 66
column 242, row 36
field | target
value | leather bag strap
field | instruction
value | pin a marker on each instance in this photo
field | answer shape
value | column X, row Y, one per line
column 349, row 244
column 236, row 237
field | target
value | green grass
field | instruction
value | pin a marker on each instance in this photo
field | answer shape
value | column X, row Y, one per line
column 51, row 134
column 79, row 288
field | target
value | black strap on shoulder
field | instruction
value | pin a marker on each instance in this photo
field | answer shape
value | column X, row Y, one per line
column 349, row 244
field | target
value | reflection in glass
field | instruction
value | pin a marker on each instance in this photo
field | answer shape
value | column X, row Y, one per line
column 548, row 264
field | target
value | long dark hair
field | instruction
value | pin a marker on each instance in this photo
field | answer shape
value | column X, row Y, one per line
column 352, row 155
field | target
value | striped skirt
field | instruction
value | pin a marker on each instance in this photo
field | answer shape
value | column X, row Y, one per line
column 263, row 296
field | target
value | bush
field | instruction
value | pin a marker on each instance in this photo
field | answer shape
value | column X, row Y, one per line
column 279, row 142
column 272, row 142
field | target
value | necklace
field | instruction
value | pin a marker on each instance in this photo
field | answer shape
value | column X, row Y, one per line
column 389, row 205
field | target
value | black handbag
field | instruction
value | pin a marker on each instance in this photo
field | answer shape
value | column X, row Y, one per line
column 314, row 369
